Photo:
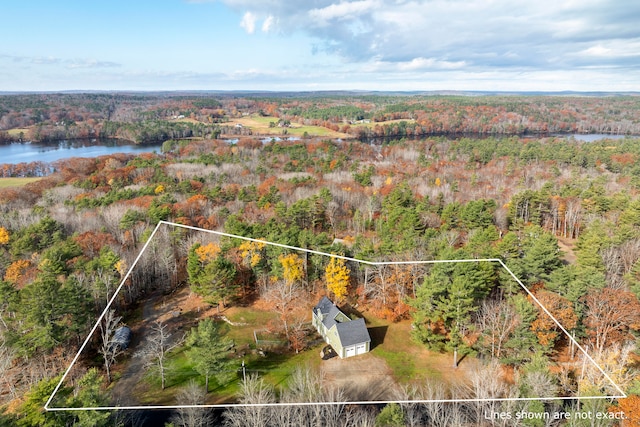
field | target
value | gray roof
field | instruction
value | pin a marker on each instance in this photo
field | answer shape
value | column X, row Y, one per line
column 325, row 305
column 353, row 332
column 350, row 332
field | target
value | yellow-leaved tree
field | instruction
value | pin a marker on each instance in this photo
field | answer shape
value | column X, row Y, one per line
column 208, row 252
column 251, row 252
column 292, row 268
column 4, row 236
column 337, row 277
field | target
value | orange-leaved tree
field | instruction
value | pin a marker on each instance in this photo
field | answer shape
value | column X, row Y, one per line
column 561, row 308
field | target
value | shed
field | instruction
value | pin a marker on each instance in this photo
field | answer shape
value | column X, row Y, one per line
column 122, row 337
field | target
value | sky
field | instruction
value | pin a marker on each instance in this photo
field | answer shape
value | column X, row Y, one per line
column 296, row 45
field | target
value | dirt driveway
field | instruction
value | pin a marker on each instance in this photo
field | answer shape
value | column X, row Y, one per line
column 364, row 378
column 167, row 309
column 122, row 391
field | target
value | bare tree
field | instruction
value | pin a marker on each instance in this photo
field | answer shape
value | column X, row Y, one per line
column 572, row 217
column 436, row 413
column 157, row 347
column 308, row 386
column 188, row 415
column 359, row 416
column 283, row 296
column 414, row 412
column 255, row 392
column 137, row 418
column 614, row 360
column 496, row 320
column 6, row 361
column 109, row 348
column 485, row 384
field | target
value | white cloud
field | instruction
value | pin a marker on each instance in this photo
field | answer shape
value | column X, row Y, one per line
column 463, row 42
column 90, row 63
column 476, row 33
column 342, row 10
column 268, row 24
column 597, row 50
column 429, row 64
column 39, row 60
column 68, row 63
column 248, row 22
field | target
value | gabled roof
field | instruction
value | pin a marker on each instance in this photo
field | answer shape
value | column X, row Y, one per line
column 324, row 306
column 350, row 332
column 353, row 332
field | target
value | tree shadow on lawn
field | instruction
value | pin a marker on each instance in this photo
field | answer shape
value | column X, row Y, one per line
column 272, row 365
column 377, row 334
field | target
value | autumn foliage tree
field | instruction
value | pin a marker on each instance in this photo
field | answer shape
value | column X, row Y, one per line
column 611, row 316
column 251, row 252
column 544, row 326
column 4, row 236
column 15, row 270
column 630, row 405
column 292, row 268
column 337, row 277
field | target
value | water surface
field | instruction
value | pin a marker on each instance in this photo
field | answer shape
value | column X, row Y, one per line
column 26, row 152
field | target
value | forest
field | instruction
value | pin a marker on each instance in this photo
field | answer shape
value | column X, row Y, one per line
column 377, row 178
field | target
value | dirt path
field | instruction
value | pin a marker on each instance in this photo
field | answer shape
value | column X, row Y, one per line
column 122, row 392
column 567, row 248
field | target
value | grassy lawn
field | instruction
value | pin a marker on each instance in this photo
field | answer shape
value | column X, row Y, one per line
column 179, row 375
column 411, row 361
column 16, row 182
column 275, row 367
column 248, row 320
column 371, row 125
column 260, row 124
column 16, row 131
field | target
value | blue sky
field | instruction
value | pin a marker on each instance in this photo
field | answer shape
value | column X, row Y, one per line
column 547, row 45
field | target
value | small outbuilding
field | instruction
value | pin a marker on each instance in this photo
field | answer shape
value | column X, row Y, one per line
column 122, row 337
column 347, row 337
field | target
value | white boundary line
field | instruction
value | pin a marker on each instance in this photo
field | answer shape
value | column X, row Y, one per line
column 374, row 263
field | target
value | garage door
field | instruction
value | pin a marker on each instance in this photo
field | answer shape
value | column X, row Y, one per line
column 350, row 351
column 361, row 348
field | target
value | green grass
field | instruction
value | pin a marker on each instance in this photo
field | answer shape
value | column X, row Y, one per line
column 277, row 368
column 178, row 375
column 250, row 316
column 261, row 125
column 401, row 364
column 16, row 182
column 409, row 360
column 373, row 124
column 254, row 319
column 17, row 131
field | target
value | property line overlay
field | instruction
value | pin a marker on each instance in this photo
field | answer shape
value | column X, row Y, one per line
column 47, row 406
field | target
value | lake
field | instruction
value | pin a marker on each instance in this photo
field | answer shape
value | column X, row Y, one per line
column 26, row 152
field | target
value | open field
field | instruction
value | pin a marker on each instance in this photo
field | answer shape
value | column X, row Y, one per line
column 260, row 125
column 373, row 124
column 17, row 131
column 16, row 182
column 410, row 362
